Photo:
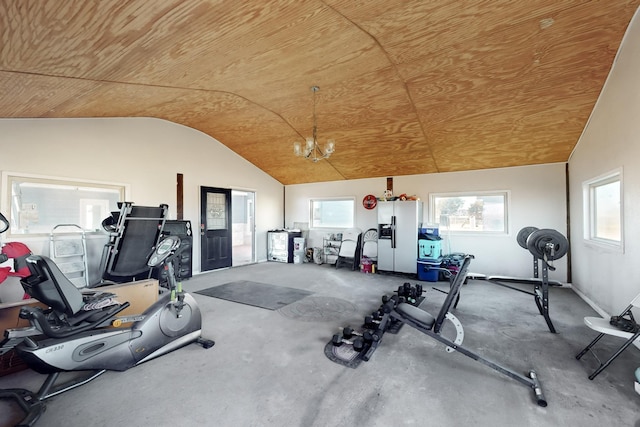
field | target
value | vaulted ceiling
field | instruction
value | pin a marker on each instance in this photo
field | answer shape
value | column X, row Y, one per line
column 406, row 86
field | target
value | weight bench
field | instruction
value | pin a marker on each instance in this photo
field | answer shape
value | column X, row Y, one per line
column 432, row 326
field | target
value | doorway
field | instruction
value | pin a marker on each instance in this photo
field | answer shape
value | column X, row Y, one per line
column 243, row 226
column 215, row 228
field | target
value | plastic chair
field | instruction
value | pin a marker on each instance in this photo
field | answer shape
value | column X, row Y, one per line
column 350, row 248
column 627, row 328
column 370, row 244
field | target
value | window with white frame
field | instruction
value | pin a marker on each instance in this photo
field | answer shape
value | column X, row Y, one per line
column 333, row 213
column 37, row 204
column 478, row 212
column 603, row 209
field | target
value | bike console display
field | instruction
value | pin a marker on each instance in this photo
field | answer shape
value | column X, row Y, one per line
column 165, row 249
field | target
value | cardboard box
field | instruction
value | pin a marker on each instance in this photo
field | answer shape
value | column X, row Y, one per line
column 140, row 294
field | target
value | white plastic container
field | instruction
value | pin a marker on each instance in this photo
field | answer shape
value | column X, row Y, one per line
column 298, row 250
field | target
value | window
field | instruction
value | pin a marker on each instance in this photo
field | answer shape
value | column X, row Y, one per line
column 332, row 213
column 37, row 204
column 603, row 209
column 470, row 212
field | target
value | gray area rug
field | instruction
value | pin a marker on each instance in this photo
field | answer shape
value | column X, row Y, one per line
column 257, row 294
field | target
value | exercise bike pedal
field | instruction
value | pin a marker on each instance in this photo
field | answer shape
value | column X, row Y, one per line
column 205, row 343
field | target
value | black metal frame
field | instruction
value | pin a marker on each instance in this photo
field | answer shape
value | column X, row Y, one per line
column 540, row 285
column 32, row 404
column 125, row 247
column 428, row 325
column 540, row 291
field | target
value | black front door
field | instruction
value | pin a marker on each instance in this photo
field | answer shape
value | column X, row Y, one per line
column 215, row 228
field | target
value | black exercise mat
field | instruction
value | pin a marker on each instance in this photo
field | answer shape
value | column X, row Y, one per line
column 261, row 295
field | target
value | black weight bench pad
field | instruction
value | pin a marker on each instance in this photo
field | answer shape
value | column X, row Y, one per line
column 416, row 314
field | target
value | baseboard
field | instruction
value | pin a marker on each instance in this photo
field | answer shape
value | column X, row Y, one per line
column 592, row 304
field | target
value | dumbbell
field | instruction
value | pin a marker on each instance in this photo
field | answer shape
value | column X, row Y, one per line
column 394, row 299
column 366, row 336
column 358, row 343
column 418, row 290
column 348, row 332
column 407, row 287
column 369, row 336
column 377, row 315
column 404, row 289
column 338, row 340
column 372, row 322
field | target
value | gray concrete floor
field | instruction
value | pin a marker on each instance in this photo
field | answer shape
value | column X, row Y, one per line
column 269, row 369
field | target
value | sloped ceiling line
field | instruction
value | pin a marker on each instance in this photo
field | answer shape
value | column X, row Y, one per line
column 400, row 78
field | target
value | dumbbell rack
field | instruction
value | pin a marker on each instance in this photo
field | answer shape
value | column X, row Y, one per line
column 373, row 328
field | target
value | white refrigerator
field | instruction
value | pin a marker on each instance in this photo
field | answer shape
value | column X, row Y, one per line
column 398, row 224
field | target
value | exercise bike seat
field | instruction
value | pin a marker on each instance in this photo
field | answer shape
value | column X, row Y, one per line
column 73, row 312
column 416, row 314
column 50, row 286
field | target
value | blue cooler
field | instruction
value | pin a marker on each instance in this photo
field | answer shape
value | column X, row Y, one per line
column 429, row 249
column 428, row 269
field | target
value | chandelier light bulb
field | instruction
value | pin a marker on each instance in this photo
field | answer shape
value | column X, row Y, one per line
column 297, row 148
column 330, row 147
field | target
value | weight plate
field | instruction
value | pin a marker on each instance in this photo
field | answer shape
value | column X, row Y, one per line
column 523, row 235
column 547, row 244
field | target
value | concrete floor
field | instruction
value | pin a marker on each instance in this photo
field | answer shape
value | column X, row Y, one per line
column 269, row 369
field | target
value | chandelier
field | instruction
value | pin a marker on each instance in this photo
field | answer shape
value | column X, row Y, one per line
column 311, row 150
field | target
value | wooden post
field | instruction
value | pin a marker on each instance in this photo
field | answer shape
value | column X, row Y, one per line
column 179, row 197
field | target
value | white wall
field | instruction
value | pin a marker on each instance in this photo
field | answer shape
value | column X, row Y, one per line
column 145, row 153
column 611, row 140
column 537, row 198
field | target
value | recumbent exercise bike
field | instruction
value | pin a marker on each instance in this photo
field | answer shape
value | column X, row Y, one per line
column 81, row 331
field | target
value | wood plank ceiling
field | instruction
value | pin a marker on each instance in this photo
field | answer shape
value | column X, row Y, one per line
column 406, row 86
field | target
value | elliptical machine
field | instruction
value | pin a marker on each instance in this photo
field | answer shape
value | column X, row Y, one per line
column 81, row 331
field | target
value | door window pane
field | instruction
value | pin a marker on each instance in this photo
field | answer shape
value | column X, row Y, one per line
column 216, row 211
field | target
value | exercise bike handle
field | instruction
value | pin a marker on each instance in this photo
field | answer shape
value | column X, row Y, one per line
column 37, row 317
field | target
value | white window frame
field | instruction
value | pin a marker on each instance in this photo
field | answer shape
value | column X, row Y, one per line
column 505, row 194
column 7, row 206
column 590, row 206
column 331, row 199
